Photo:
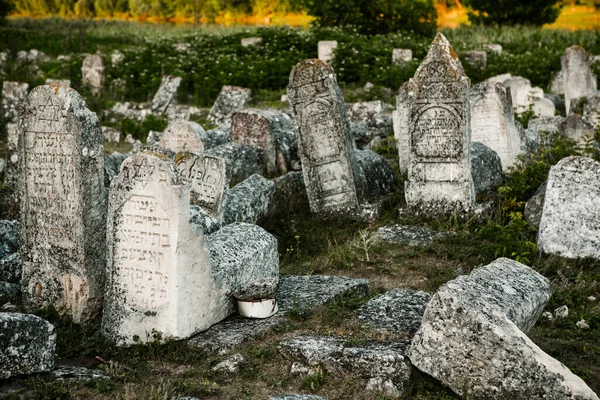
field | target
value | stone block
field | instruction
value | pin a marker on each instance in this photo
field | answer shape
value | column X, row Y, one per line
column 242, row 160
column 248, row 201
column 409, row 234
column 326, row 49
column 378, row 178
column 486, row 168
column 534, row 206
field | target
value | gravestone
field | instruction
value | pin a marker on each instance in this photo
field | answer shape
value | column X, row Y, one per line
column 13, row 94
column 324, row 140
column 576, row 128
column 476, row 59
column 493, row 48
column 591, row 110
column 572, row 205
column 578, row 80
column 59, row 82
column 401, row 56
column 166, row 92
column 116, row 58
column 92, row 73
column 207, row 177
column 182, row 136
column 230, row 99
column 12, row 157
column 493, row 122
column 63, row 206
column 435, row 105
column 325, row 50
column 251, row 41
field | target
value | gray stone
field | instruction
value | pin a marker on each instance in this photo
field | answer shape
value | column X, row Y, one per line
column 434, row 133
column 165, row 93
column 74, row 374
column 486, row 168
column 112, row 166
column 493, row 48
column 493, row 122
column 372, row 115
column 230, row 99
column 371, row 360
column 32, row 56
column 217, row 136
column 11, row 175
column 572, row 205
column 559, row 103
column 258, row 290
column 591, row 110
column 472, row 337
column 557, row 86
column 230, row 365
column 10, row 239
column 27, row 345
column 153, row 138
column 11, row 267
column 378, row 178
column 9, row 293
column 530, row 140
column 63, row 204
column 408, row 234
column 325, row 50
column 92, row 73
column 207, row 178
column 13, row 95
column 242, row 160
column 576, row 128
column 183, row 136
column 111, row 135
column 325, row 145
column 396, row 311
column 58, row 82
column 476, row 59
column 272, row 132
column 401, row 56
column 181, row 112
column 248, row 201
column 578, row 80
column 294, row 293
column 251, row 41
column 297, row 397
column 203, row 221
column 534, row 206
column 547, row 124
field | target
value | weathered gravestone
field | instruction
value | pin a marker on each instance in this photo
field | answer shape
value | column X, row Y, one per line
column 476, row 59
column 272, row 132
column 578, row 80
column 493, row 48
column 324, row 141
column 591, row 110
column 63, row 204
column 92, row 73
column 182, row 136
column 59, row 82
column 167, row 90
column 230, row 99
column 13, row 94
column 434, row 106
column 251, row 41
column 207, row 177
column 493, row 122
column 572, row 205
column 326, row 49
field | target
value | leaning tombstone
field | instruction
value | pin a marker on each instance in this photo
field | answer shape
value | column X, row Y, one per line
column 493, row 122
column 207, row 177
column 401, row 56
column 182, row 136
column 578, row 80
column 324, row 138
column 58, row 82
column 92, row 73
column 63, row 204
column 230, row 99
column 166, row 92
column 326, row 49
column 13, row 94
column 435, row 103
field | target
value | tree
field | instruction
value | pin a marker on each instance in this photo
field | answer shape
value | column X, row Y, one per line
column 514, row 12
column 375, row 16
column 5, row 8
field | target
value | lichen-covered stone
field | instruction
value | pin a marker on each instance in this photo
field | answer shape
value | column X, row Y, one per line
column 242, row 160
column 576, row 128
column 111, row 135
column 204, row 221
column 11, row 268
column 371, row 360
column 10, row 237
column 486, row 168
column 74, row 374
column 230, row 99
column 396, row 311
column 9, row 293
column 112, row 165
column 472, row 337
column 165, row 93
column 547, row 124
column 27, row 345
column 92, row 73
column 248, row 201
column 217, row 136
column 183, row 136
column 13, row 94
column 378, row 178
column 591, row 110
column 63, row 214
column 370, row 115
column 570, row 226
column 534, row 206
column 530, row 140
column 297, row 397
column 411, row 235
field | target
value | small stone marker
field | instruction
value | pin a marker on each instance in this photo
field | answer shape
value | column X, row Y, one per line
column 251, row 41
column 493, row 48
column 59, row 82
column 230, row 99
column 578, row 80
column 476, row 59
column 207, row 177
column 493, row 122
column 325, row 49
column 572, row 205
column 401, row 56
column 435, row 105
column 92, row 73
column 324, row 140
column 63, row 206
column 167, row 90
column 182, row 136
column 13, row 94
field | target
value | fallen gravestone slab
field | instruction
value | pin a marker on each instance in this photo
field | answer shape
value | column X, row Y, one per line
column 472, row 337
column 572, row 205
column 295, row 293
column 411, row 235
column 27, row 344
column 396, row 311
column 486, row 168
column 242, row 160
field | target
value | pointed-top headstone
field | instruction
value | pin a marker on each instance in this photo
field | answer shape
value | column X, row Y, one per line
column 435, row 105
column 578, row 80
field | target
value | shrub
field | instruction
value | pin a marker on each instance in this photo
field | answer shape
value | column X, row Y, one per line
column 514, row 12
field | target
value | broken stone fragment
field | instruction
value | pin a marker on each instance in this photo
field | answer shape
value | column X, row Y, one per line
column 248, row 201
column 242, row 160
column 486, row 168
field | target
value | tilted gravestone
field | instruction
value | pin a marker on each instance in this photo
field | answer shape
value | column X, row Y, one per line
column 493, row 122
column 324, row 140
column 207, row 177
column 63, row 206
column 578, row 80
column 230, row 99
column 182, row 136
column 92, row 73
column 165, row 93
column 435, row 106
